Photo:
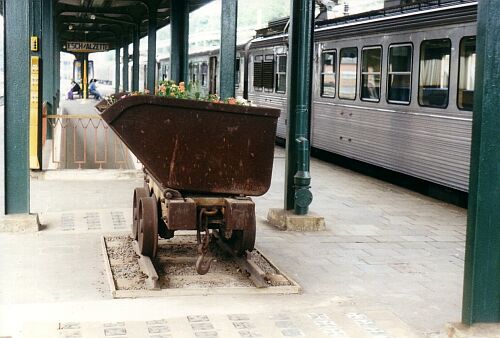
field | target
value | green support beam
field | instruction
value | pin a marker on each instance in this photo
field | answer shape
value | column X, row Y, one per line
column 481, row 298
column 152, row 27
column 229, row 18
column 48, row 51
column 48, row 48
column 57, row 59
column 179, row 25
column 117, row 69
column 17, row 85
column 125, row 67
column 135, row 59
column 297, row 177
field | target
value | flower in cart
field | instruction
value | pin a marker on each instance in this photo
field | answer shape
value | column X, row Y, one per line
column 231, row 100
column 214, row 98
column 162, row 89
column 182, row 87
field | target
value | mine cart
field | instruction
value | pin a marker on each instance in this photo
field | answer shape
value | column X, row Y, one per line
column 202, row 161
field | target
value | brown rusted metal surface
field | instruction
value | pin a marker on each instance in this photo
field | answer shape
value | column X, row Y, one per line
column 138, row 194
column 180, row 214
column 239, row 214
column 148, row 226
column 196, row 146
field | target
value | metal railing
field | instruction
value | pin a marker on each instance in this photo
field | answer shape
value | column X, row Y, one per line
column 85, row 142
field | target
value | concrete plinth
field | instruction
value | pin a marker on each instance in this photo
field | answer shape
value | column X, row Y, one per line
column 458, row 330
column 287, row 220
column 19, row 223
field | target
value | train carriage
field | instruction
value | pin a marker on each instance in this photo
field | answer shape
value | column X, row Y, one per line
column 400, row 95
column 390, row 88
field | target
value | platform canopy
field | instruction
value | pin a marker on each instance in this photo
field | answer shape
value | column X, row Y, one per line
column 110, row 21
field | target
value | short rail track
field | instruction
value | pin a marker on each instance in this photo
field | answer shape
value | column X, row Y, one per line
column 173, row 272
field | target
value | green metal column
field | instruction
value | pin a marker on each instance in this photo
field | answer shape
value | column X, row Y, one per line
column 117, row 69
column 179, row 25
column 135, row 59
column 297, row 179
column 48, row 47
column 57, row 59
column 152, row 27
column 17, row 85
column 57, row 66
column 125, row 66
column 481, row 298
column 229, row 24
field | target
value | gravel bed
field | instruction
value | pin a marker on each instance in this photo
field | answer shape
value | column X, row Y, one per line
column 175, row 266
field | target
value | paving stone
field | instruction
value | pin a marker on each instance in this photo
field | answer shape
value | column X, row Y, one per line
column 292, row 332
column 158, row 329
column 243, row 325
column 202, row 326
column 206, row 334
column 114, row 324
column 115, row 331
column 238, row 317
column 74, row 334
column 69, row 326
column 156, row 322
column 249, row 333
column 198, row 318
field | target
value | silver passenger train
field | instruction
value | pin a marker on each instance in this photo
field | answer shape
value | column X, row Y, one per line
column 392, row 88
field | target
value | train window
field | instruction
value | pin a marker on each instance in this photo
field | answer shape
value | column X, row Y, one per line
column 237, row 73
column 194, row 69
column 281, row 74
column 268, row 73
column 204, row 73
column 348, row 70
column 371, row 65
column 466, row 73
column 433, row 84
column 399, row 74
column 257, row 72
column 328, row 73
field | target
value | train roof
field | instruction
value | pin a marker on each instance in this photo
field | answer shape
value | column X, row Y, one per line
column 427, row 13
column 415, row 7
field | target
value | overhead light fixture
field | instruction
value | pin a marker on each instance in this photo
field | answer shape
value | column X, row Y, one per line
column 92, row 16
column 70, row 27
column 86, row 32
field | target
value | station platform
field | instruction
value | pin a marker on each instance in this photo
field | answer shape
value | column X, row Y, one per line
column 390, row 264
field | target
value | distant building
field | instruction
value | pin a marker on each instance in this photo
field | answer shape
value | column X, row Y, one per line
column 350, row 7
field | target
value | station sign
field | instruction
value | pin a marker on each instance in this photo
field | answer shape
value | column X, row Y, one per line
column 86, row 47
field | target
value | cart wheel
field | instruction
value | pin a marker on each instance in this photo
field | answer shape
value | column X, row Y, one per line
column 242, row 240
column 138, row 194
column 148, row 226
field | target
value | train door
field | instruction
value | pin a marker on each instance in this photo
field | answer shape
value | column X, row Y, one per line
column 212, row 87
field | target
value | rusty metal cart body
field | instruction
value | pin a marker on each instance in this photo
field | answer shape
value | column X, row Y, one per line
column 202, row 162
